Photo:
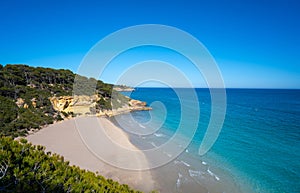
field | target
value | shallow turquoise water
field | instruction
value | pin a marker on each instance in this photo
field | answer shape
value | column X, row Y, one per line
column 258, row 149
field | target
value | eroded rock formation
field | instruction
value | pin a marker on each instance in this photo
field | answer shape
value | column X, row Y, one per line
column 86, row 105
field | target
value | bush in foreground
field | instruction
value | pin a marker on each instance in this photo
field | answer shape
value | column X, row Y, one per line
column 27, row 168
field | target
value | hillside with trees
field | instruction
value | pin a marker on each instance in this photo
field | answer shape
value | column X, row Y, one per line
column 25, row 105
column 25, row 93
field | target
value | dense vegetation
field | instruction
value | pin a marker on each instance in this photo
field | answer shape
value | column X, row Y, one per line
column 34, row 86
column 27, row 168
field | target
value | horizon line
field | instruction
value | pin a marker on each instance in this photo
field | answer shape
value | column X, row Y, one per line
column 257, row 88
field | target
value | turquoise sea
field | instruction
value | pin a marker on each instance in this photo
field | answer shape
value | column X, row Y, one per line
column 258, row 149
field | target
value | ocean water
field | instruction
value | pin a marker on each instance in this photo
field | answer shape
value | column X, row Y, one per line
column 258, row 149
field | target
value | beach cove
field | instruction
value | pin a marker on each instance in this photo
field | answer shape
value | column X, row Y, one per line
column 63, row 138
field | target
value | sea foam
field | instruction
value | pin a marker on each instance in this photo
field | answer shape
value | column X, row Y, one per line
column 212, row 174
column 159, row 135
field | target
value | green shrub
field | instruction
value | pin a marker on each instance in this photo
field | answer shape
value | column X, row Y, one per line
column 27, row 168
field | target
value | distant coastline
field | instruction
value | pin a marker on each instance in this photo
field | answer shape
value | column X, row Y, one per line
column 123, row 88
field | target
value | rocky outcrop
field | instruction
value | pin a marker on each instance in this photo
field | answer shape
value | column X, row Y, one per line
column 84, row 105
column 62, row 103
column 21, row 103
column 136, row 105
column 123, row 88
column 74, row 104
column 33, row 102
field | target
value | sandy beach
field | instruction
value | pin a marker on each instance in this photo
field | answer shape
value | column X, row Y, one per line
column 66, row 139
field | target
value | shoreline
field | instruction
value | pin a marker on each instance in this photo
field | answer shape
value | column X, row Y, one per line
column 64, row 139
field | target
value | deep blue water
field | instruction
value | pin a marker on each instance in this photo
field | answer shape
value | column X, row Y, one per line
column 259, row 145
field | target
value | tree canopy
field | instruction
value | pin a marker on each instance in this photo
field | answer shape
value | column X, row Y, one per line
column 34, row 86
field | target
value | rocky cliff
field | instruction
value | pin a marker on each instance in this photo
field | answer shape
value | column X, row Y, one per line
column 87, row 105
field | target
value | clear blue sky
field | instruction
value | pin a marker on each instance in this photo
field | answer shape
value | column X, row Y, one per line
column 255, row 43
